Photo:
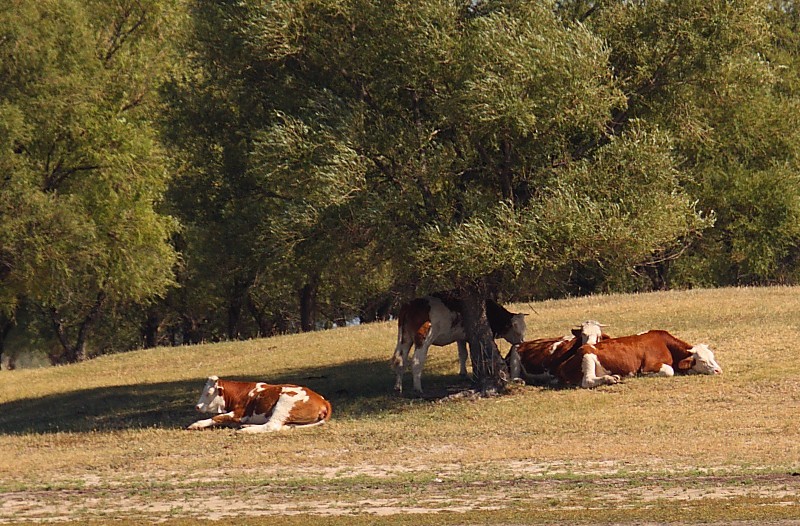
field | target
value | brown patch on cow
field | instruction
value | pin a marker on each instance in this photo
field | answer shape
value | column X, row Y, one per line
column 413, row 321
column 629, row 355
column 422, row 333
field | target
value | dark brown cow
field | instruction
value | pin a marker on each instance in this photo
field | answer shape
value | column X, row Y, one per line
column 437, row 320
column 259, row 407
column 540, row 358
column 653, row 352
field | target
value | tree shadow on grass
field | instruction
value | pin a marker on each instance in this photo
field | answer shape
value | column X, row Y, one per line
column 356, row 389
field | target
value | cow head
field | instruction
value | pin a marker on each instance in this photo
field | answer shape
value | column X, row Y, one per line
column 589, row 332
column 701, row 361
column 211, row 398
column 516, row 332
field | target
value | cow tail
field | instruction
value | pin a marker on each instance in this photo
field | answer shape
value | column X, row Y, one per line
column 397, row 357
column 325, row 412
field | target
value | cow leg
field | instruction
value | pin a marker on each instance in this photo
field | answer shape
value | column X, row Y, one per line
column 544, row 378
column 280, row 414
column 591, row 366
column 216, row 420
column 462, row 358
column 420, row 355
column 666, row 370
column 399, row 362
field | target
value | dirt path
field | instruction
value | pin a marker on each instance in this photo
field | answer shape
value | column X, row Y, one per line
column 382, row 490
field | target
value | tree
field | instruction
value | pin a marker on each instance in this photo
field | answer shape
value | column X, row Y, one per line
column 717, row 77
column 82, row 170
column 449, row 144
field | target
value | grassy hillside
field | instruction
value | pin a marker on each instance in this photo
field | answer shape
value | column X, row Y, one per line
column 106, row 438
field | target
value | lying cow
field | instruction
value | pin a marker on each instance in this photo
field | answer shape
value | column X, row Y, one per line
column 437, row 320
column 540, row 358
column 259, row 407
column 654, row 352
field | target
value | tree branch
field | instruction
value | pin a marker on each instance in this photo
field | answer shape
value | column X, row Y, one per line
column 120, row 34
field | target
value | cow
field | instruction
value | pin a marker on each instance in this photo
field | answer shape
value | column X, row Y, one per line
column 653, row 352
column 259, row 407
column 539, row 359
column 437, row 320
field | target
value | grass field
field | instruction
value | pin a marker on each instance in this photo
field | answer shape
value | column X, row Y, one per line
column 104, row 441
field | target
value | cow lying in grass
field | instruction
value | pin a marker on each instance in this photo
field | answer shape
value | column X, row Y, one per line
column 259, row 407
column 654, row 352
column 539, row 359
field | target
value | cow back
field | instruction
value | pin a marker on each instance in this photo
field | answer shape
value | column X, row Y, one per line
column 536, row 355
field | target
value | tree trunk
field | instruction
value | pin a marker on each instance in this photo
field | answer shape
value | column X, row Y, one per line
column 308, row 305
column 489, row 368
column 190, row 329
column 6, row 323
column 376, row 309
column 150, row 328
column 658, row 273
column 238, row 296
column 266, row 327
column 234, row 313
column 77, row 352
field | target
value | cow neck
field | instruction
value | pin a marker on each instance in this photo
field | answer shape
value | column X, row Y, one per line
column 679, row 349
column 231, row 392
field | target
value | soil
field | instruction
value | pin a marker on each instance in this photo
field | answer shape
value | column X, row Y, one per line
column 384, row 490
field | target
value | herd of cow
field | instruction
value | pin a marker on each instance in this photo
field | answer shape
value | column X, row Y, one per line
column 586, row 358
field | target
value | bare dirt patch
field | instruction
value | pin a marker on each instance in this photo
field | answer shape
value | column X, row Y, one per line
column 389, row 490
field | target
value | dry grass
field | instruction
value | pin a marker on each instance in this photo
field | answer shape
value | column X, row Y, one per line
column 112, row 428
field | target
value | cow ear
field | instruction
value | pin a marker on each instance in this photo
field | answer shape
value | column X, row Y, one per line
column 220, row 390
column 576, row 332
column 686, row 363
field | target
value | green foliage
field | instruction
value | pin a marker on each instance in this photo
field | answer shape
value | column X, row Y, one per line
column 83, row 169
column 349, row 152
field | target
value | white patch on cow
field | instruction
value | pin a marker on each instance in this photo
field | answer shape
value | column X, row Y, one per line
column 666, row 370
column 202, row 424
column 280, row 412
column 208, row 422
column 594, row 373
column 445, row 324
column 640, row 333
column 555, row 346
column 462, row 358
column 591, row 332
column 704, row 362
column 211, row 400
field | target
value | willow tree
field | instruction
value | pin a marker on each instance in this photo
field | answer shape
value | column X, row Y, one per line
column 720, row 78
column 82, row 170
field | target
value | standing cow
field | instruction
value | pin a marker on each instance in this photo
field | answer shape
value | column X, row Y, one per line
column 259, row 407
column 654, row 352
column 437, row 320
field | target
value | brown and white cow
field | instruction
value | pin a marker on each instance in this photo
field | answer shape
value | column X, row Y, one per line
column 260, row 407
column 539, row 359
column 654, row 352
column 437, row 320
